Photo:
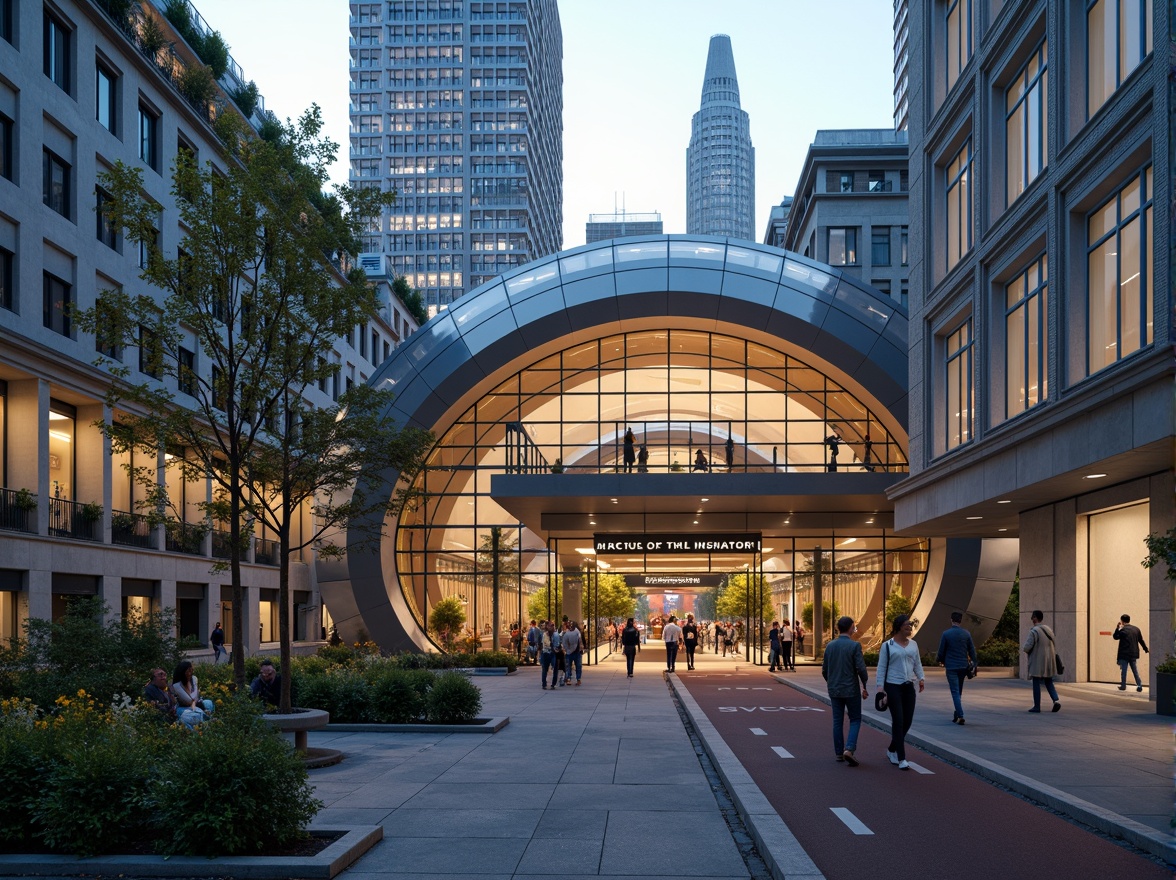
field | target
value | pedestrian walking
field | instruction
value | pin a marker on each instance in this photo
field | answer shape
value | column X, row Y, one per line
column 720, row 635
column 1130, row 640
column 573, row 650
column 773, row 646
column 671, row 635
column 1043, row 663
column 630, row 644
column 690, row 640
column 798, row 631
column 217, row 639
column 534, row 640
column 899, row 668
column 844, row 670
column 787, row 661
column 730, row 450
column 549, row 654
column 957, row 653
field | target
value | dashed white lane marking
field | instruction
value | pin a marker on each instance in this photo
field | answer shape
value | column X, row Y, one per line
column 920, row 769
column 759, row 731
column 782, row 752
column 851, row 821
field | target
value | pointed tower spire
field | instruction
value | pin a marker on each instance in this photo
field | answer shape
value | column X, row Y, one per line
column 720, row 161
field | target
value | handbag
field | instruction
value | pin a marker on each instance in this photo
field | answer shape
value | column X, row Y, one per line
column 972, row 670
column 1058, row 664
column 880, row 702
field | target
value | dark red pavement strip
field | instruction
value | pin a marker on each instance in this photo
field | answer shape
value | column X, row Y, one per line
column 948, row 824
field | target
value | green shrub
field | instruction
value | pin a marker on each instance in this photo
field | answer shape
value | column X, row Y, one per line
column 398, row 695
column 230, row 779
column 999, row 652
column 453, row 699
column 22, row 755
column 341, row 691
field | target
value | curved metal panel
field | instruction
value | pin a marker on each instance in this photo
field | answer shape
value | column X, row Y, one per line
column 852, row 329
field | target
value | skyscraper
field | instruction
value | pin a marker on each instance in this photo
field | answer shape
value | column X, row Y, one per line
column 720, row 161
column 458, row 106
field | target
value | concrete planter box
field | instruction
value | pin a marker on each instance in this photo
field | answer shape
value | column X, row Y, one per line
column 1165, row 688
column 299, row 722
column 479, row 725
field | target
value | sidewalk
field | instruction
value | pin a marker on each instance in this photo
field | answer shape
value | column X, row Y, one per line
column 1105, row 759
column 592, row 781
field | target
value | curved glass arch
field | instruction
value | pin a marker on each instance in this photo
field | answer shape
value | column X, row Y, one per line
column 682, row 392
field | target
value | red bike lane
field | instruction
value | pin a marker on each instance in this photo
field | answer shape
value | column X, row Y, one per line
column 932, row 821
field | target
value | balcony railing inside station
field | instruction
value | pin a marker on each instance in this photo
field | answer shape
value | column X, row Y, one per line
column 696, row 446
column 70, row 519
column 18, row 511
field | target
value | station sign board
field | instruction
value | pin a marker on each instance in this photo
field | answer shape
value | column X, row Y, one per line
column 718, row 542
column 676, row 580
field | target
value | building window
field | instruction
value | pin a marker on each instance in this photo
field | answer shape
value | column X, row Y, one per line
column 187, row 159
column 842, row 245
column 145, row 247
column 959, row 38
column 6, row 19
column 186, row 372
column 904, row 254
column 1026, row 339
column 148, row 136
column 6, row 142
column 904, row 294
column 1118, row 38
column 1118, row 276
column 58, row 301
column 878, row 182
column 959, row 204
column 150, row 352
column 107, row 234
column 56, row 183
column 56, row 49
column 105, row 101
column 958, row 379
column 7, row 270
column 845, row 182
column 880, row 246
column 220, row 396
column 1026, row 125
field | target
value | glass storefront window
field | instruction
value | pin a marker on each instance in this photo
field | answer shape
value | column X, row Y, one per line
column 62, row 429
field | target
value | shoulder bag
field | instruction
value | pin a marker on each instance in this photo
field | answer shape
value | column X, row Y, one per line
column 880, row 699
column 1058, row 664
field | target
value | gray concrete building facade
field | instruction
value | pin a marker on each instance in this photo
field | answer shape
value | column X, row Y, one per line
column 720, row 160
column 602, row 226
column 1041, row 303
column 457, row 105
column 850, row 208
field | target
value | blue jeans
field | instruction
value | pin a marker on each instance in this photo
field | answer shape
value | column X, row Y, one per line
column 217, row 651
column 671, row 655
column 1049, row 686
column 955, row 684
column 1123, row 664
column 773, row 658
column 573, row 659
column 547, row 661
column 630, row 656
column 839, row 706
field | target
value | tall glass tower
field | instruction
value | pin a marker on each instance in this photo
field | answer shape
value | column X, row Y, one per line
column 720, row 161
column 457, row 105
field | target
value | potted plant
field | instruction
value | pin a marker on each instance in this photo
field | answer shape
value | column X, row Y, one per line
column 91, row 512
column 25, row 500
column 1165, row 686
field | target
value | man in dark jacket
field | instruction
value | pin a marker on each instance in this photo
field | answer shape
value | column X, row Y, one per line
column 1130, row 640
column 267, row 687
column 843, row 668
column 158, row 694
column 957, row 652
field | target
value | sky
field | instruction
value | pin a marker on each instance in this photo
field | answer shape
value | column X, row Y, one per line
column 632, row 81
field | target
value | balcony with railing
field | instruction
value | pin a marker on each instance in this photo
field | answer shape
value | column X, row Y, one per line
column 185, row 537
column 222, row 544
column 18, row 510
column 266, row 552
column 70, row 519
column 131, row 530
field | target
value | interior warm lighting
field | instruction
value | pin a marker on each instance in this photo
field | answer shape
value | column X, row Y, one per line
column 1005, row 501
column 1094, row 476
column 696, row 522
column 59, row 435
column 57, row 417
column 586, row 551
column 870, row 521
column 975, row 517
column 1002, row 530
column 705, row 500
column 600, row 563
column 613, row 500
column 591, row 522
column 847, row 542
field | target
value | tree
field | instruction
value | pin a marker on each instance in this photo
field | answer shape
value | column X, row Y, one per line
column 545, row 603
column 1161, row 550
column 412, row 299
column 257, row 296
column 614, row 597
column 446, row 620
column 707, row 602
column 733, row 602
column 829, row 611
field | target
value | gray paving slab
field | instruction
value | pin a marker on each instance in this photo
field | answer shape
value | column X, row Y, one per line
column 696, row 845
column 557, row 855
column 455, row 824
column 429, row 855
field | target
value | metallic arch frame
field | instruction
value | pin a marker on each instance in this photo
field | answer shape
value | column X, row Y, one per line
column 854, row 333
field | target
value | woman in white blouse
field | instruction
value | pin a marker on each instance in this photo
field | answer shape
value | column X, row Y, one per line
column 899, row 667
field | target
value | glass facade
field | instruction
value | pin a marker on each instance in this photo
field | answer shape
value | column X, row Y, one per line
column 1026, row 125
column 743, row 407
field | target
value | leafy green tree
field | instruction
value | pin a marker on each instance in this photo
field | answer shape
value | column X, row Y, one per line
column 741, row 596
column 446, row 620
column 411, row 297
column 614, row 598
column 547, row 601
column 707, row 602
column 1008, row 628
column 257, row 288
column 830, row 611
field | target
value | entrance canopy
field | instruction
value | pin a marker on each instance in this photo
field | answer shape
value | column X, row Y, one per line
column 662, row 384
